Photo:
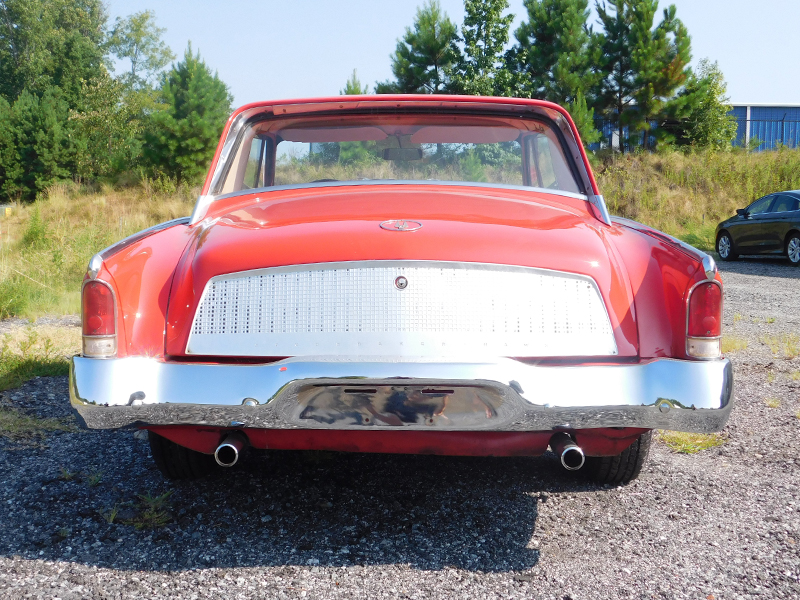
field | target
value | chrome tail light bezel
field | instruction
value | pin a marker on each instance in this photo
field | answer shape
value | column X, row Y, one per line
column 99, row 346
column 702, row 347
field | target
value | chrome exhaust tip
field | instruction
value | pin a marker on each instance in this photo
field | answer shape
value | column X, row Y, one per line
column 228, row 451
column 570, row 454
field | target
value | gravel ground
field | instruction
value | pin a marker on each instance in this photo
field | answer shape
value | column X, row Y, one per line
column 724, row 523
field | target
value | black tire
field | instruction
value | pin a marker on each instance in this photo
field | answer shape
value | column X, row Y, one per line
column 622, row 468
column 793, row 249
column 177, row 462
column 726, row 252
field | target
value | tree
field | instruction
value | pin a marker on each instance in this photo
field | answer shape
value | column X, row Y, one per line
column 107, row 127
column 180, row 140
column 481, row 69
column 138, row 39
column 556, row 54
column 353, row 86
column 46, row 43
column 35, row 145
column 423, row 53
column 700, row 114
column 642, row 66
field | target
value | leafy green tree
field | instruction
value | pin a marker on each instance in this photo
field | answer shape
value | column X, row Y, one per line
column 180, row 140
column 35, row 145
column 423, row 53
column 643, row 66
column 556, row 54
column 46, row 43
column 353, row 86
column 107, row 127
column 482, row 69
column 700, row 114
column 138, row 39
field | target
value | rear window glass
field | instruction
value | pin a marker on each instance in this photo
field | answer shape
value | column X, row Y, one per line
column 400, row 148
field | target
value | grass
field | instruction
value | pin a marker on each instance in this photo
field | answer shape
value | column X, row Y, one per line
column 687, row 194
column 17, row 426
column 794, row 375
column 733, row 343
column 772, row 402
column 154, row 511
column 41, row 352
column 786, row 344
column 690, row 443
column 45, row 246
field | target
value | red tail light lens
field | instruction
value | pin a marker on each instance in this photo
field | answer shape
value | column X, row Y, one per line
column 705, row 311
column 98, row 309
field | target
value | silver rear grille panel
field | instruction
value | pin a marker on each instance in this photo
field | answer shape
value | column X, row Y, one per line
column 447, row 310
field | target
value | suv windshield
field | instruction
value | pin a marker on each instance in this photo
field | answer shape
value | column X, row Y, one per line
column 522, row 152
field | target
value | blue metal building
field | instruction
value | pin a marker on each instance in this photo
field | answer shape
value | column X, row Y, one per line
column 770, row 124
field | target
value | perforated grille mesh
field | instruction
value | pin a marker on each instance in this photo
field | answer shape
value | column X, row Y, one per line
column 524, row 307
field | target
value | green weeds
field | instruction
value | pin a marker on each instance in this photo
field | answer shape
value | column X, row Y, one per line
column 690, row 443
column 153, row 511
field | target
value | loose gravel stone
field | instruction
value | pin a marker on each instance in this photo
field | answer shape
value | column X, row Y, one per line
column 724, row 523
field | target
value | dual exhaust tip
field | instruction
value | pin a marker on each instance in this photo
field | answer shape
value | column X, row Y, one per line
column 230, row 448
column 570, row 454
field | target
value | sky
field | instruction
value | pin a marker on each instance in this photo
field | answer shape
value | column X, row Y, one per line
column 266, row 50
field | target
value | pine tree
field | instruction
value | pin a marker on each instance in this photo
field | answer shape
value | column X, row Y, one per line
column 555, row 56
column 35, row 145
column 423, row 53
column 353, row 86
column 180, row 140
column 482, row 68
column 643, row 67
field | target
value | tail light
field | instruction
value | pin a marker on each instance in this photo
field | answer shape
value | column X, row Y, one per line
column 99, row 320
column 704, row 320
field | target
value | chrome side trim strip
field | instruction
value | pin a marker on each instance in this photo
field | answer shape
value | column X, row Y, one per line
column 132, row 239
column 663, row 393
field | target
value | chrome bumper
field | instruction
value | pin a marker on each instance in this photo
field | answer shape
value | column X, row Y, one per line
column 321, row 393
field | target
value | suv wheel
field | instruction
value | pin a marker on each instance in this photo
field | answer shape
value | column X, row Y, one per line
column 623, row 467
column 725, row 247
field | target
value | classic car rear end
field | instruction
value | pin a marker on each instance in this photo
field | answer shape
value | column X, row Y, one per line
column 402, row 274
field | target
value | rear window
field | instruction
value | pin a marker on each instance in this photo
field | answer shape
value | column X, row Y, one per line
column 433, row 148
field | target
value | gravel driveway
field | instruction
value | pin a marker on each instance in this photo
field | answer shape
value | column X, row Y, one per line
column 724, row 523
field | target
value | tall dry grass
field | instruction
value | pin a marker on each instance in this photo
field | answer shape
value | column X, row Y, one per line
column 45, row 246
column 687, row 194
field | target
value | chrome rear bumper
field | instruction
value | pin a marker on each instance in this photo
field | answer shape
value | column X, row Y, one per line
column 325, row 393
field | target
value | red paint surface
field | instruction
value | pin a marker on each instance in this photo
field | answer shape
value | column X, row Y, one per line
column 594, row 442
column 463, row 224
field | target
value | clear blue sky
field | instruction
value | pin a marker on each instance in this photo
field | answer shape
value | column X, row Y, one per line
column 269, row 50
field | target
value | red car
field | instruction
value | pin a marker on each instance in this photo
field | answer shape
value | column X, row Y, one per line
column 402, row 274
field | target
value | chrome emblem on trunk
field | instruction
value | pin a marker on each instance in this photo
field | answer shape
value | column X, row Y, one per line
column 400, row 225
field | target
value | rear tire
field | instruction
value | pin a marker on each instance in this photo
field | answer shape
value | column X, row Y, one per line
column 725, row 247
column 622, row 468
column 793, row 249
column 177, row 462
